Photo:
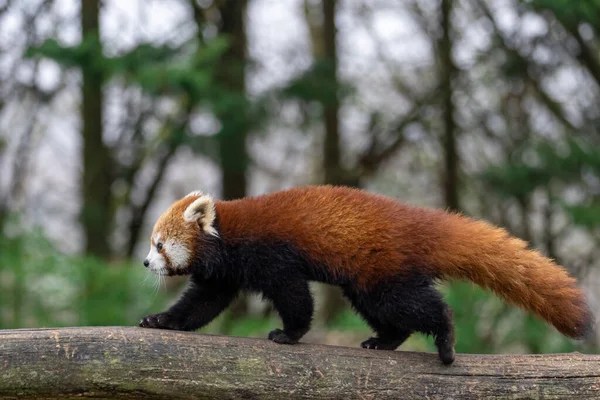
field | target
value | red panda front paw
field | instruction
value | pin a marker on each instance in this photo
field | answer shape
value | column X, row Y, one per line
column 158, row 321
column 279, row 336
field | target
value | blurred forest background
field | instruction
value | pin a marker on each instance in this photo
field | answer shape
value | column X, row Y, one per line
column 110, row 110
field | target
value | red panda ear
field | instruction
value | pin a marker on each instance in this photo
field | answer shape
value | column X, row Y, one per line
column 202, row 211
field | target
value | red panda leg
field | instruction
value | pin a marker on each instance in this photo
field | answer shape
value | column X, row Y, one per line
column 444, row 339
column 198, row 305
column 424, row 310
column 389, row 336
column 294, row 304
column 403, row 305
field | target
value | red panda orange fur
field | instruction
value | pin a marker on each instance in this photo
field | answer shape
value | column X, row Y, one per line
column 370, row 238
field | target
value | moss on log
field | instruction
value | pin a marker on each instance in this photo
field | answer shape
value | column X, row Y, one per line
column 135, row 363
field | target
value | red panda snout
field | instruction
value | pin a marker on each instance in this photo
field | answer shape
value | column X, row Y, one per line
column 167, row 256
column 155, row 260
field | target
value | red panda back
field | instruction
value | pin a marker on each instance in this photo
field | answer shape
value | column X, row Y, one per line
column 353, row 232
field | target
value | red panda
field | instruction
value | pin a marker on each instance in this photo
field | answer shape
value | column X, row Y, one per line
column 384, row 254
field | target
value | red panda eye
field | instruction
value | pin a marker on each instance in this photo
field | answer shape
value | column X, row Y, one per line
column 159, row 246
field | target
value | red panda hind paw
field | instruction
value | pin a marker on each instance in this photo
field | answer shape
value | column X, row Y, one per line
column 376, row 343
column 279, row 336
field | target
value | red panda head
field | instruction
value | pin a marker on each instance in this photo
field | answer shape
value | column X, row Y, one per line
column 177, row 232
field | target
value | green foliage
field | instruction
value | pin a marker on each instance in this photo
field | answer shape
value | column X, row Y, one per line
column 571, row 12
column 348, row 320
column 515, row 179
column 316, row 85
column 41, row 287
column 573, row 164
column 569, row 159
column 88, row 53
column 585, row 215
column 158, row 69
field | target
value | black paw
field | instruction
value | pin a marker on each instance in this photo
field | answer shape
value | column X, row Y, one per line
column 279, row 336
column 158, row 321
column 445, row 347
column 447, row 355
column 378, row 344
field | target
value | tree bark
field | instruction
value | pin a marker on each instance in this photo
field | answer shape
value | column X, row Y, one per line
column 448, row 72
column 96, row 185
column 136, row 363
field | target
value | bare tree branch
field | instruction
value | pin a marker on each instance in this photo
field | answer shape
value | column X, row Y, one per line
column 22, row 156
column 586, row 56
column 553, row 106
column 138, row 212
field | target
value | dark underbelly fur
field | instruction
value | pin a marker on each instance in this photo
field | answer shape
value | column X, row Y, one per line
column 395, row 308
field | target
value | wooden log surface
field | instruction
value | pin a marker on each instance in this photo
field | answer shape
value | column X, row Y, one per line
column 136, row 363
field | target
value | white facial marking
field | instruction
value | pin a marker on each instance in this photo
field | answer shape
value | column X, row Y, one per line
column 177, row 253
column 157, row 262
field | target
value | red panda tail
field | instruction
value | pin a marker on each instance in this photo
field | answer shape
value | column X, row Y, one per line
column 491, row 258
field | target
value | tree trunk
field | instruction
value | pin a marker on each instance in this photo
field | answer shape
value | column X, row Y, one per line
column 448, row 74
column 96, row 211
column 334, row 172
column 136, row 363
column 331, row 152
column 323, row 31
column 234, row 116
column 234, row 119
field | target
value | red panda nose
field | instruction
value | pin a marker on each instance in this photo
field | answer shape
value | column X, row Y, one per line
column 146, row 263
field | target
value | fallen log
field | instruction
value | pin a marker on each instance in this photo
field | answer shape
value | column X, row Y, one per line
column 136, row 363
